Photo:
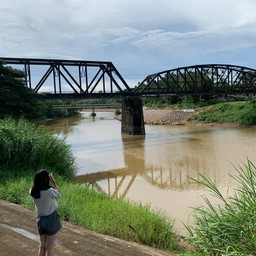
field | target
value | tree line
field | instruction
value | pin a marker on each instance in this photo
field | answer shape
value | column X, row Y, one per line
column 17, row 100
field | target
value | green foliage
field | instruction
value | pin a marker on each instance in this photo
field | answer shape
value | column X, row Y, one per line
column 19, row 101
column 23, row 144
column 16, row 99
column 172, row 83
column 96, row 211
column 172, row 101
column 189, row 102
column 155, row 102
column 48, row 111
column 237, row 112
column 228, row 229
column 99, row 212
column 16, row 191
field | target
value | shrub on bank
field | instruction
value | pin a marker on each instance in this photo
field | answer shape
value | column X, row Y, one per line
column 25, row 145
column 236, row 112
column 228, row 229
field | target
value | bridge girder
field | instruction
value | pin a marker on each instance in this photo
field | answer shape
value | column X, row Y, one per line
column 53, row 78
column 210, row 79
column 100, row 79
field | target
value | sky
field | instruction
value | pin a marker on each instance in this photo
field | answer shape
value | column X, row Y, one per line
column 140, row 37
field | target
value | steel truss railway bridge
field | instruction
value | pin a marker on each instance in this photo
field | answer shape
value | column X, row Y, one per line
column 78, row 79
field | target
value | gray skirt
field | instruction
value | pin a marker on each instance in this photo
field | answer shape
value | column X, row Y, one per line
column 48, row 225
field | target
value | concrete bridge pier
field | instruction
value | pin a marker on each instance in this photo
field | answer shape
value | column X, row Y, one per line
column 132, row 116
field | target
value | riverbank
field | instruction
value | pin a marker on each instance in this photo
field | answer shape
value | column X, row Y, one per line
column 170, row 116
column 19, row 237
column 80, row 204
column 167, row 116
column 105, row 150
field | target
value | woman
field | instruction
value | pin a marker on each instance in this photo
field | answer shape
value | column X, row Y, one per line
column 48, row 221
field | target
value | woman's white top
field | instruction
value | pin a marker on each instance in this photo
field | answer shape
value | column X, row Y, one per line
column 47, row 203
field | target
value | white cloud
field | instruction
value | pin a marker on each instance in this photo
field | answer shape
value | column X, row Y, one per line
column 139, row 37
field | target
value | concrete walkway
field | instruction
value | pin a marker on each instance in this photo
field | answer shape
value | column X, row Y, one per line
column 18, row 236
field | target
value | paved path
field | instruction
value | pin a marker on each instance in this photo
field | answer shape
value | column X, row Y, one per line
column 18, row 236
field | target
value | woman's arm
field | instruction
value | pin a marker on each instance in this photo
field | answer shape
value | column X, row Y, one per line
column 53, row 182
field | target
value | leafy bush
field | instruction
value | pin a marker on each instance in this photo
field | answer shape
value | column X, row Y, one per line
column 238, row 112
column 26, row 145
column 16, row 99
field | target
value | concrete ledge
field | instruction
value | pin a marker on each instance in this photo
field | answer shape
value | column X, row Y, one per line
column 18, row 236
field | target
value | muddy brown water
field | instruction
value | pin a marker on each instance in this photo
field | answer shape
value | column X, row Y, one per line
column 156, row 168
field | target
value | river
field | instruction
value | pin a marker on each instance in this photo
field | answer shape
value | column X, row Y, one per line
column 156, row 168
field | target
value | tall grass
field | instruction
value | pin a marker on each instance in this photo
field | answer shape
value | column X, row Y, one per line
column 25, row 145
column 124, row 219
column 229, row 229
column 97, row 211
column 237, row 112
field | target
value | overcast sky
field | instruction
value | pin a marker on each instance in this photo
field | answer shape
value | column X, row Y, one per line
column 140, row 37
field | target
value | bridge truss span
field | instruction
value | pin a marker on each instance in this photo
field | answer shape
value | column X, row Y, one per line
column 59, row 79
column 55, row 78
column 209, row 79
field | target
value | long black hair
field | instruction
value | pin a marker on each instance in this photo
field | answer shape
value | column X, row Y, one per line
column 41, row 182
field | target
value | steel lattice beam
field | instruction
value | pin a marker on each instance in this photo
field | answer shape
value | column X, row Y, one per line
column 210, row 79
column 71, row 78
column 100, row 79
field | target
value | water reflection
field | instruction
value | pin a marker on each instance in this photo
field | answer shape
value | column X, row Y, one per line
column 134, row 165
column 167, row 162
column 157, row 167
column 64, row 126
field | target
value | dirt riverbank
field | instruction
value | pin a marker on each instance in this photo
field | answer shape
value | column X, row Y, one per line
column 167, row 116
column 170, row 116
column 19, row 238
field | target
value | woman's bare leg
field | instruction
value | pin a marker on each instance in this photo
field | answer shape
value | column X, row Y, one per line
column 50, row 240
column 42, row 246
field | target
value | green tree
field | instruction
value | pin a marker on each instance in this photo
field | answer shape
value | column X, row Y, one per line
column 16, row 99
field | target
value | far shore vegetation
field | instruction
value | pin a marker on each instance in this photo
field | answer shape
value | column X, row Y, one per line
column 223, row 230
column 241, row 110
